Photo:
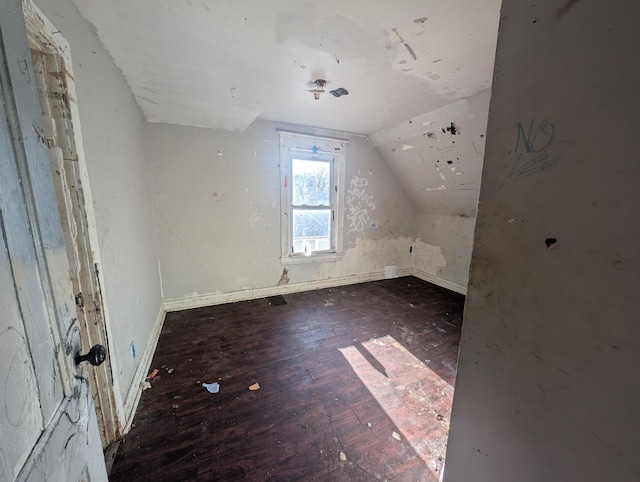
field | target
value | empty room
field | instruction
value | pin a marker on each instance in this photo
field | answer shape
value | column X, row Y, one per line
column 342, row 241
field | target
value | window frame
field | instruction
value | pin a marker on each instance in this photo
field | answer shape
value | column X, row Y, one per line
column 310, row 147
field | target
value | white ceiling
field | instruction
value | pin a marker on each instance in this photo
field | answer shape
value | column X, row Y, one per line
column 439, row 172
column 222, row 64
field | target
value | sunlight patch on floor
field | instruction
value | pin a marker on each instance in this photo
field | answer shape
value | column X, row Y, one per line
column 416, row 399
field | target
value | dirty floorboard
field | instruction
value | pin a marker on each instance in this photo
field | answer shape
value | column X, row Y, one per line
column 355, row 383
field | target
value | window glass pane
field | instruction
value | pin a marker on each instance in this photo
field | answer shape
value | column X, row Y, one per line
column 311, row 184
column 311, row 230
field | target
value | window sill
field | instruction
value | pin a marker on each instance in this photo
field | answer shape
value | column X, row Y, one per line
column 314, row 258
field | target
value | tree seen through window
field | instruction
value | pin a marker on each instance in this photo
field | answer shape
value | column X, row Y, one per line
column 311, row 196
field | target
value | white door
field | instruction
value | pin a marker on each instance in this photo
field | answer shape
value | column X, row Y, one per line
column 48, row 428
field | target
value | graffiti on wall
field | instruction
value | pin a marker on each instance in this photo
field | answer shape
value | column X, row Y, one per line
column 534, row 149
column 359, row 203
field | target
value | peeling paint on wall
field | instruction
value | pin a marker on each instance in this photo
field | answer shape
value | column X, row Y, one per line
column 284, row 279
column 370, row 255
column 428, row 258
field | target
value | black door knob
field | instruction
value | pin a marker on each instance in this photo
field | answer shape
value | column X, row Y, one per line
column 96, row 355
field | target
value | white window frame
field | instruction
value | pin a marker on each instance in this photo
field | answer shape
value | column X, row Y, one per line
column 305, row 146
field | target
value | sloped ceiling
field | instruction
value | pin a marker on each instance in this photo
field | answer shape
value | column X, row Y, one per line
column 437, row 157
column 222, row 64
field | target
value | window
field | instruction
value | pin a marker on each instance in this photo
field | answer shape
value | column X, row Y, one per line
column 312, row 202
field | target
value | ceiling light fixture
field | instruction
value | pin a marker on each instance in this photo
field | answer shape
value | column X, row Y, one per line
column 321, row 84
column 338, row 92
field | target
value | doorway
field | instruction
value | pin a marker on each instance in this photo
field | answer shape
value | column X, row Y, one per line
column 62, row 135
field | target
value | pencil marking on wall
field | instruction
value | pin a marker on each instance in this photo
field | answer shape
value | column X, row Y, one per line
column 18, row 378
column 533, row 149
column 359, row 202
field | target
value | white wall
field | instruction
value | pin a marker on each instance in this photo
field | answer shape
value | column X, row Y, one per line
column 442, row 250
column 438, row 171
column 440, row 174
column 547, row 378
column 217, row 216
column 116, row 157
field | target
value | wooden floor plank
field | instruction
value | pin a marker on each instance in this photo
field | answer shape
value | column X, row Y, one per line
column 356, row 383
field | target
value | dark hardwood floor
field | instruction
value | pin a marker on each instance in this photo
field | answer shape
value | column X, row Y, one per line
column 356, row 384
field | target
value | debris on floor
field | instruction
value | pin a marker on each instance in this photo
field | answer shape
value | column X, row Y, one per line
column 254, row 387
column 343, row 456
column 212, row 387
column 396, row 435
column 153, row 373
column 443, row 421
column 145, row 386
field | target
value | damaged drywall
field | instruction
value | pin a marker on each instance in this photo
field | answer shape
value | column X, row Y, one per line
column 440, row 172
column 369, row 256
column 443, row 248
column 428, row 258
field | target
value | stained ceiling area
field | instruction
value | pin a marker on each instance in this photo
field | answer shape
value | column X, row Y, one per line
column 223, row 64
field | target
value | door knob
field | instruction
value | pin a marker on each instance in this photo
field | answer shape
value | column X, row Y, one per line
column 96, row 355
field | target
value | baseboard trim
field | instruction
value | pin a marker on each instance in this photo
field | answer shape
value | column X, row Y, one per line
column 424, row 276
column 210, row 299
column 135, row 390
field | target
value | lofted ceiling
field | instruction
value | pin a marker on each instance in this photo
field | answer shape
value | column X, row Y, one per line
column 225, row 63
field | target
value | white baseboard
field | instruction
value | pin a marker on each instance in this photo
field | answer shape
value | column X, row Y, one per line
column 439, row 281
column 135, row 390
column 210, row 299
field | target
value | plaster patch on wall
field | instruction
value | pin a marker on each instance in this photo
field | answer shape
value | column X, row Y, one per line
column 369, row 255
column 358, row 203
column 284, row 279
column 428, row 258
